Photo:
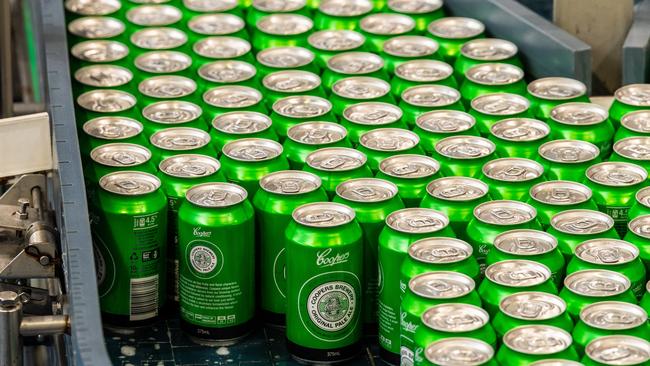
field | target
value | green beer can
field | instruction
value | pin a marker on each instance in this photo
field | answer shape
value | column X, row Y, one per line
column 634, row 150
column 547, row 93
column 641, row 204
column 130, row 250
column 512, row 178
column 180, row 140
column 209, row 49
column 402, row 228
column 379, row 27
column 152, row 15
column 158, row 39
column 102, row 76
column 231, row 126
column 434, row 126
column 572, row 227
column 420, row 72
column 327, row 43
column 324, row 283
column 280, row 194
column 488, row 109
column 262, row 8
column 107, row 103
column 401, row 49
column 589, row 286
column 157, row 63
column 583, row 121
column 568, row 159
column 366, row 116
column 617, row 349
column 552, row 197
column 289, row 111
column 216, row 24
column 382, row 143
column 307, row 137
column 281, row 30
column 96, row 52
column 528, row 343
column 341, row 14
column 162, row 115
column 227, row 72
column 216, row 242
column 105, row 130
column 356, row 89
column 484, row 51
column 531, row 308
column 232, row 98
column 336, row 165
column 462, row 155
column 492, row 78
column 426, row 291
column 556, row 362
column 645, row 300
column 411, row 173
column 95, row 28
column 351, row 64
column 212, row 6
column 629, row 98
column 418, row 100
column 639, row 235
column 282, row 84
column 79, row 8
column 166, row 88
column 246, row 161
column 519, row 137
column 453, row 32
column 634, row 124
column 372, row 201
column 422, row 11
column 458, row 351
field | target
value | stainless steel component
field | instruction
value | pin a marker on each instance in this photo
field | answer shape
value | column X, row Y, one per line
column 11, row 352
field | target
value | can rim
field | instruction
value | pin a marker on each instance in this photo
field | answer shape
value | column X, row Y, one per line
column 312, row 177
column 566, row 335
column 484, row 316
column 215, row 162
column 361, row 39
column 178, row 56
column 486, row 348
column 388, row 184
column 276, row 145
column 326, row 104
column 169, row 103
column 133, row 122
column 433, row 45
column 617, row 339
column 307, row 56
column 630, row 115
column 624, row 280
column 527, row 294
column 531, row 232
column 443, row 89
column 126, row 95
column 234, row 188
column 232, row 19
column 155, row 182
column 415, row 139
column 467, row 280
column 77, row 49
column 326, row 124
column 639, row 234
column 494, row 65
column 638, row 198
column 119, row 68
column 346, row 112
column 267, row 122
column 206, row 40
column 483, row 141
column 474, row 183
column 134, row 38
column 357, row 154
column 268, row 80
column 390, row 219
column 379, row 66
column 617, row 144
column 542, row 126
column 177, row 78
column 539, row 169
column 609, row 220
column 512, row 48
column 531, row 86
column 455, row 242
column 618, row 94
column 343, row 208
column 145, row 151
column 631, row 247
column 594, row 149
column 640, row 312
column 449, row 70
column 508, row 96
column 437, row 4
column 577, row 186
column 478, row 27
column 412, row 157
column 636, row 168
column 192, row 130
column 532, row 210
column 405, row 19
column 419, row 121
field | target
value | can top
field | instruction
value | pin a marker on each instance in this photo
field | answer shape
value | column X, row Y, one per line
column 579, row 114
column 557, row 88
column 440, row 250
column 445, row 121
column 216, row 195
column 361, row 88
column 232, row 96
column 105, row 76
column 525, row 242
column 424, row 71
column 641, row 226
column 389, row 139
column 167, row 87
column 189, row 166
column 158, row 38
column 285, row 57
column 278, row 6
column 500, row 104
column 120, row 155
column 457, row 351
column 494, row 74
column 430, row 96
column 582, row 222
column 106, row 100
column 414, row 6
column 290, row 182
column 634, row 94
column 568, row 151
column 634, row 148
column 252, row 149
column 180, row 138
column 323, row 214
column 455, row 318
column 336, row 40
column 560, row 193
column 596, row 283
column 366, row 190
column 317, row 133
column 96, row 27
column 355, row 63
column 291, row 81
column 162, row 62
column 387, row 24
column 441, row 285
column 150, row 1
column 227, row 71
column 504, row 212
column 219, row 24
column 281, row 24
column 336, row 159
column 637, row 121
column 616, row 174
column 643, row 196
column 417, row 220
column 517, row 273
column 221, row 47
column 154, row 15
column 489, row 49
column 613, row 315
column 410, row 46
column 96, row 8
column 409, row 166
column 345, row 8
column 302, row 106
column 619, row 350
column 465, row 147
column 532, row 306
column 457, row 189
column 241, row 123
column 372, row 113
column 556, row 362
column 606, row 251
column 456, row 28
column 537, row 339
column 513, row 170
column 99, row 51
column 128, row 183
column 210, row 6
column 520, row 130
column 172, row 112
column 112, row 128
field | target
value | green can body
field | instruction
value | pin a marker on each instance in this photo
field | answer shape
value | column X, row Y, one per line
column 104, row 131
column 470, row 89
column 519, row 137
column 547, row 93
column 463, row 155
column 425, row 14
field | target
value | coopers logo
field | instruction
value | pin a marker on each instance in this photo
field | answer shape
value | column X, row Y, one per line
column 323, row 259
column 198, row 233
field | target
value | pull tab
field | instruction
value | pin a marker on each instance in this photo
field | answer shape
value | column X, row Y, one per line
column 290, row 186
column 560, row 194
column 333, row 162
column 514, row 171
column 530, row 309
column 502, row 214
column 124, row 158
column 452, row 192
column 525, row 245
column 421, row 221
column 609, row 255
column 128, row 185
column 376, row 116
column 185, row 141
column 319, row 218
column 523, row 276
column 365, row 192
column 194, row 169
column 405, row 169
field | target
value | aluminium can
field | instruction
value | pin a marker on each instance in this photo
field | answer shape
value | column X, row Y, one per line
column 157, row 63
column 411, row 173
column 362, row 117
column 547, row 93
column 232, row 98
column 227, row 72
column 552, row 197
column 281, row 30
column 401, row 49
column 417, row 100
column 168, row 87
column 627, row 350
column 582, row 121
column 454, row 351
column 105, row 130
column 483, row 51
column 422, row 11
column 180, row 140
column 336, row 165
column 634, row 124
column 639, row 235
column 351, row 64
column 568, row 159
column 158, row 39
column 196, row 7
column 420, row 72
column 290, row 111
column 231, row 126
column 327, row 43
column 356, row 89
column 519, row 137
column 307, row 137
column 96, row 28
column 216, row 24
column 106, row 103
column 102, row 76
column 341, row 14
column 529, row 343
column 379, row 27
column 629, row 98
column 165, row 114
column 100, row 51
column 286, row 58
column 641, row 204
column 488, row 109
column 282, row 84
column 572, row 227
column 531, row 308
column 79, row 8
column 382, row 143
column 645, row 300
column 219, row 48
column 512, row 178
column 634, row 150
column 464, row 155
column 435, row 125
column 452, row 33
column 489, row 78
column 152, row 15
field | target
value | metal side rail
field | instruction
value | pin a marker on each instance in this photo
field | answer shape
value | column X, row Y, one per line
column 636, row 47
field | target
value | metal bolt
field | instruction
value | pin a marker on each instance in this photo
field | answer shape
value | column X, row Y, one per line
column 23, row 204
column 44, row 260
column 9, row 299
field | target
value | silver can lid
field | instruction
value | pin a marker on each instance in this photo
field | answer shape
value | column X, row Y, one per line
column 440, row 250
column 606, row 251
column 223, row 47
column 431, row 96
column 619, row 350
column 389, row 139
column 456, row 28
column 500, row 104
column 366, row 190
column 613, row 315
column 532, row 306
column 643, row 196
column 100, row 51
column 278, row 6
column 417, row 220
column 637, row 121
column 336, row 40
column 129, row 183
column 465, row 147
column 560, row 193
column 557, row 88
column 372, row 113
column 424, row 71
column 172, row 112
column 180, row 139
column 579, row 114
column 227, row 71
column 410, row 46
column 517, row 273
column 336, row 159
column 635, row 148
column 167, row 87
column 361, row 88
column 458, row 351
column 345, row 8
column 445, row 121
column 414, row 6
column 189, row 166
column 93, row 7
column 387, row 24
column 582, row 222
column 284, row 24
column 149, row 1
column 163, row 62
column 441, row 285
column 290, row 182
column 112, row 128
column 634, row 94
column 520, row 129
column 616, row 174
column 409, row 166
column 489, row 49
column 220, row 24
column 103, row 76
column 504, row 212
column 494, row 74
column 285, row 57
column 597, row 283
column 641, row 226
column 323, row 214
column 569, row 151
column 241, row 123
column 302, row 106
column 317, row 133
column 120, row 155
column 252, row 149
column 159, row 38
column 537, row 339
column 210, row 6
column 96, row 27
column 291, row 81
column 457, row 189
column 455, row 318
column 525, row 242
column 513, row 170
column 106, row 101
column 355, row 63
column 216, row 195
column 154, row 15
column 232, row 96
